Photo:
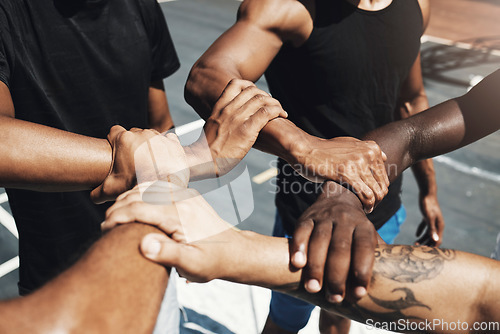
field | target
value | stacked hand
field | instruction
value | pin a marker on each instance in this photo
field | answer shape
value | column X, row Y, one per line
column 347, row 161
column 240, row 113
column 140, row 156
column 197, row 241
column 333, row 240
column 146, row 155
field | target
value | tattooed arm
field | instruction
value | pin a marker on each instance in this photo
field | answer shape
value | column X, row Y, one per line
column 413, row 283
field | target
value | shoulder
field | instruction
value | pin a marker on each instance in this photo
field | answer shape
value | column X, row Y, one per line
column 289, row 19
column 426, row 11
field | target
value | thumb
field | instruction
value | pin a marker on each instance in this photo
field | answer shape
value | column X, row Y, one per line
column 160, row 249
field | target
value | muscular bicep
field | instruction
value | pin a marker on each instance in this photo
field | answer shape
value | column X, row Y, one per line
column 247, row 48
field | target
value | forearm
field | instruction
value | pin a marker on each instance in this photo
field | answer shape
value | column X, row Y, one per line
column 425, row 177
column 206, row 82
column 440, row 129
column 112, row 289
column 448, row 285
column 41, row 158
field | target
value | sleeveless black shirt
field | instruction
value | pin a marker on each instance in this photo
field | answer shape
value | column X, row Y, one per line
column 344, row 81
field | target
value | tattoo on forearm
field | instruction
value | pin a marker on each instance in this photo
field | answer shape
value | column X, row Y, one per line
column 409, row 264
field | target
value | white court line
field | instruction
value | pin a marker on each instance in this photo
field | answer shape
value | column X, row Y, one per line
column 265, row 175
column 466, row 169
column 449, row 42
column 3, row 198
column 186, row 128
column 9, row 266
column 7, row 221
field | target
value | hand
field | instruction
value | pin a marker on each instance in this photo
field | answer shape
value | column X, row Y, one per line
column 348, row 161
column 139, row 156
column 337, row 238
column 237, row 118
column 198, row 241
column 430, row 231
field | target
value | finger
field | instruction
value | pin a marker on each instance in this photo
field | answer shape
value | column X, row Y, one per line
column 108, row 190
column 300, row 242
column 421, row 228
column 338, row 263
column 369, row 179
column 380, row 175
column 363, row 257
column 364, row 193
column 232, row 90
column 440, row 230
column 126, row 199
column 259, row 100
column 114, row 132
column 316, row 256
column 161, row 249
column 260, row 119
column 164, row 217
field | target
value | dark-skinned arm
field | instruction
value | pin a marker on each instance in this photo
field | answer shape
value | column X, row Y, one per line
column 409, row 282
column 438, row 130
column 42, row 158
column 159, row 116
column 111, row 289
column 244, row 52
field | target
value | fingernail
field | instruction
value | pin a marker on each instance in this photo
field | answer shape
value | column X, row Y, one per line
column 336, row 299
column 313, row 286
column 151, row 247
column 103, row 225
column 286, row 114
column 435, row 236
column 299, row 258
column 359, row 292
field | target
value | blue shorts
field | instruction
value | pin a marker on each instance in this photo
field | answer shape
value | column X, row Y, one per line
column 292, row 314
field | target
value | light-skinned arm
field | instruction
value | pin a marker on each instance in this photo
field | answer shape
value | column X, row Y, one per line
column 409, row 282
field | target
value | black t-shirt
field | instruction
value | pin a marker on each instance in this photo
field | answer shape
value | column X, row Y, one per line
column 83, row 68
column 344, row 81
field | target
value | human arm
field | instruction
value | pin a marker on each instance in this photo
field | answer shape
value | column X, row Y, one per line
column 426, row 279
column 443, row 128
column 244, row 52
column 158, row 110
column 413, row 100
column 38, row 157
column 111, row 289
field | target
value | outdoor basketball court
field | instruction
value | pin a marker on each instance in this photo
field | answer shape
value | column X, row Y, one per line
column 468, row 179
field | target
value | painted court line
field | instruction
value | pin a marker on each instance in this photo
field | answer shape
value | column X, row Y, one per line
column 466, row 169
column 9, row 266
column 460, row 45
column 186, row 128
column 3, row 198
column 265, row 175
column 7, row 221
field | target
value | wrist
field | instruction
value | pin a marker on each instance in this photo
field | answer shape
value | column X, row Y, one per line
column 332, row 190
column 298, row 147
column 199, row 160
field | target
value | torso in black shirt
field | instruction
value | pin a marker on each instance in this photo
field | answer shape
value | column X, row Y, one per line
column 344, row 81
column 83, row 68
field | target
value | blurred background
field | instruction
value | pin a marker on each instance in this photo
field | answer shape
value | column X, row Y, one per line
column 460, row 47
